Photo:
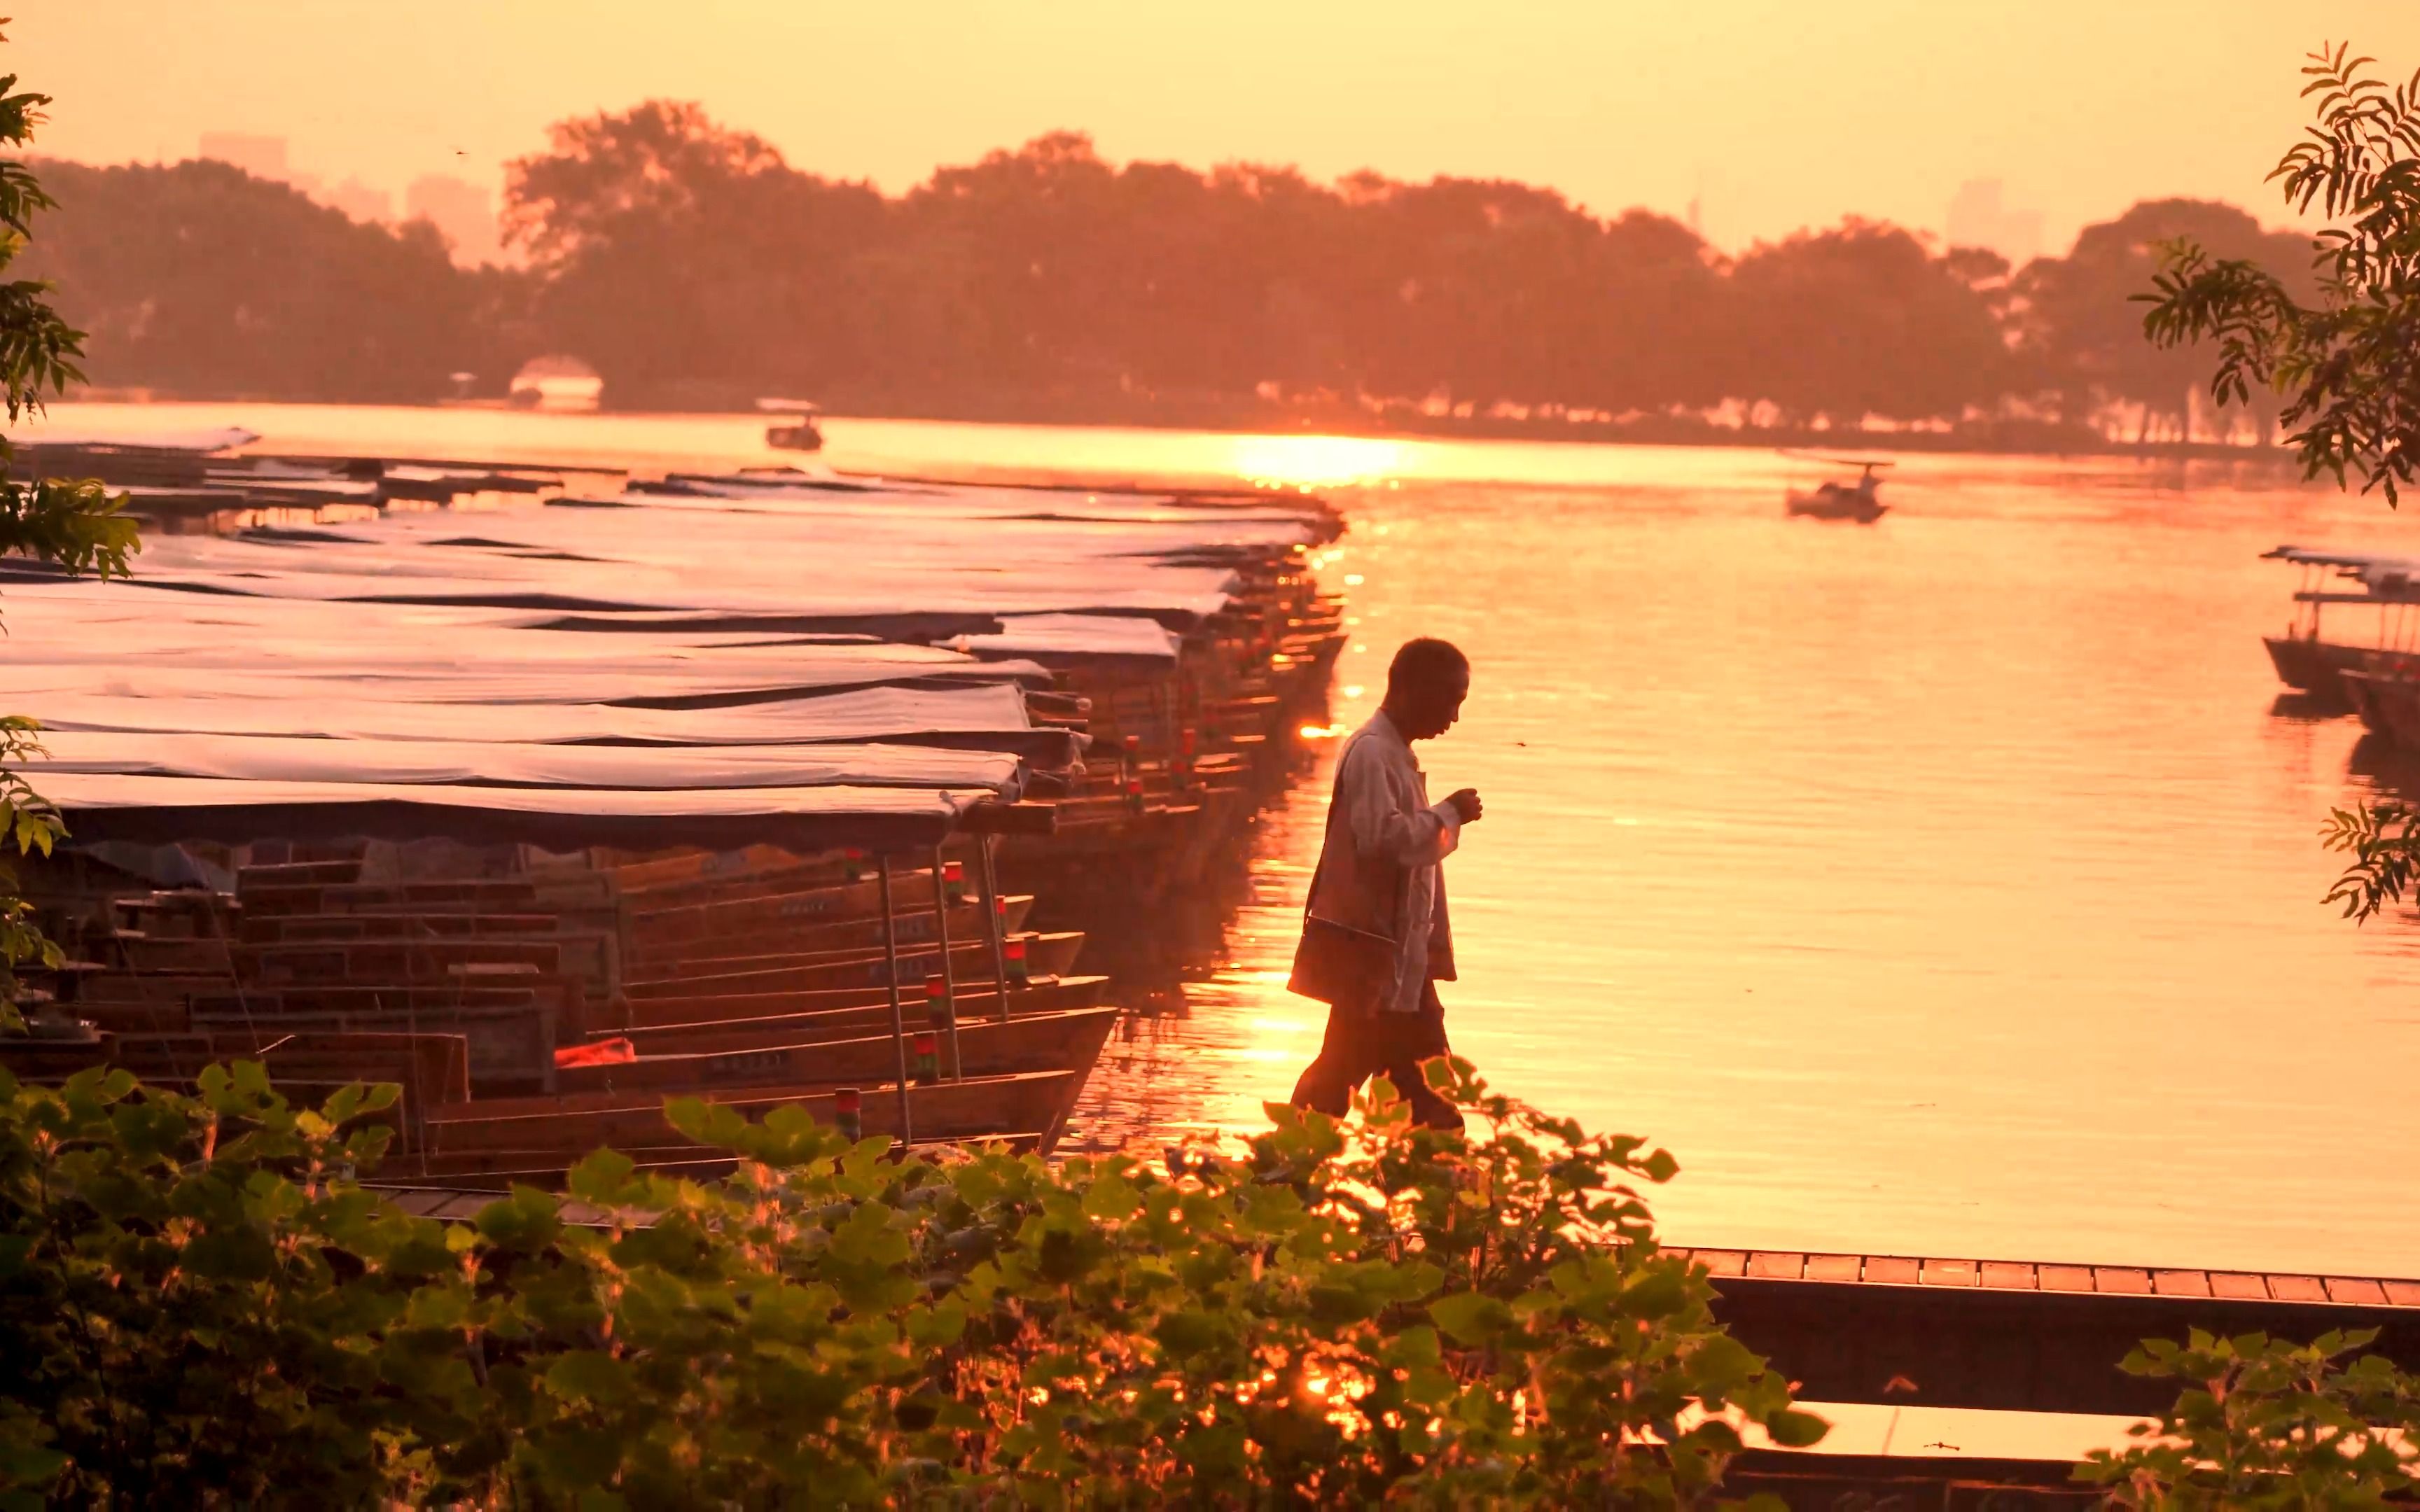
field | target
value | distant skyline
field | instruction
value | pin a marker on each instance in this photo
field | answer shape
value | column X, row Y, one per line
column 1769, row 114
column 464, row 211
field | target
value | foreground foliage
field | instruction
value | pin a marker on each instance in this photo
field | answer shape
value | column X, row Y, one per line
column 205, row 1307
column 2349, row 360
column 73, row 525
column 2346, row 363
column 2265, row 1423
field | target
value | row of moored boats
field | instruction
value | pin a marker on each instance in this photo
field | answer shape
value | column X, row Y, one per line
column 548, row 795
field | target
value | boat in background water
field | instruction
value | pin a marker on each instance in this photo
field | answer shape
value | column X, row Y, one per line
column 1843, row 501
column 798, row 434
column 2339, row 674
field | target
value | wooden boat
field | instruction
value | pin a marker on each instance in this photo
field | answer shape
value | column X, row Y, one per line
column 1069, row 1041
column 494, row 1171
column 559, row 1130
column 432, row 1069
column 2313, row 666
column 2356, row 683
column 794, row 429
column 2388, row 697
column 969, row 961
column 1044, row 994
column 798, row 893
column 2319, row 668
column 651, row 949
column 508, row 1045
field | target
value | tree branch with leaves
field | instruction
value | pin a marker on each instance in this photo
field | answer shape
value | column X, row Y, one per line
column 74, row 525
column 2347, row 363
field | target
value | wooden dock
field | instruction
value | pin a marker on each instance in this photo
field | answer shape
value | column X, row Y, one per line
column 2020, row 1335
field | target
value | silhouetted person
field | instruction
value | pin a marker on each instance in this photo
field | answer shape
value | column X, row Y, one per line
column 1381, row 881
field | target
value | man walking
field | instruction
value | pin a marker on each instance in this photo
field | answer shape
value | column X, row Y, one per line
column 1376, row 935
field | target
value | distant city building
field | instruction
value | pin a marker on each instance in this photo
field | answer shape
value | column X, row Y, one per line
column 263, row 156
column 460, row 209
column 1979, row 219
column 358, row 200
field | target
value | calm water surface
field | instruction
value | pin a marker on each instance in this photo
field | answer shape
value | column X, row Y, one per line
column 1947, row 888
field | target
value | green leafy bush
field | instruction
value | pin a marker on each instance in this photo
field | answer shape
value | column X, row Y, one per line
column 203, row 1307
column 2264, row 1423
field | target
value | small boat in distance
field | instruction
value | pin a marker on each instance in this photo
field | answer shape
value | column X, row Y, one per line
column 800, row 434
column 1843, row 501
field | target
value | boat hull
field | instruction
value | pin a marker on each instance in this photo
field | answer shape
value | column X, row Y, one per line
column 552, row 1132
column 1068, row 1041
column 668, row 1015
column 1046, row 954
column 1852, row 509
column 2314, row 667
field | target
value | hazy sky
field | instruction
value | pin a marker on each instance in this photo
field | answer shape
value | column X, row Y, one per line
column 1778, row 112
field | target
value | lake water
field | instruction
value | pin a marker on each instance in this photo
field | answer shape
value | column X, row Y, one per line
column 1948, row 887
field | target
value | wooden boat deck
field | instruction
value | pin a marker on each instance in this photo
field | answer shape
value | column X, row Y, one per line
column 2021, row 1335
column 2028, row 1276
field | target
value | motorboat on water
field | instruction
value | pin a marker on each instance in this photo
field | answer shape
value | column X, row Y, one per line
column 2340, row 675
column 1834, row 500
column 796, row 430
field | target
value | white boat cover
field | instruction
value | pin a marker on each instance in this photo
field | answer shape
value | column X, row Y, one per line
column 333, row 709
column 42, row 430
column 1059, row 636
column 474, row 672
column 2394, row 577
column 158, row 810
column 294, row 759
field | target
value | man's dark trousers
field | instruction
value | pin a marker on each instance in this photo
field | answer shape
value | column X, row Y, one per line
column 1361, row 1044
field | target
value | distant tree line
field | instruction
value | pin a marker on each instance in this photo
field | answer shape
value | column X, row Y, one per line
column 694, row 268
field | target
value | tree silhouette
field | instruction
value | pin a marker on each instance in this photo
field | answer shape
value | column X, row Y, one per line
column 694, row 267
column 2086, row 335
column 201, row 279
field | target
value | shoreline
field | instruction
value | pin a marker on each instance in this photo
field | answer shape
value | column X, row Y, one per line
column 2002, row 438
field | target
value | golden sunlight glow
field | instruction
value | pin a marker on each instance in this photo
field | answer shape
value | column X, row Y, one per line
column 1313, row 461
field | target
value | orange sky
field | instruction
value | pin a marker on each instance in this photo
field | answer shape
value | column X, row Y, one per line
column 1779, row 113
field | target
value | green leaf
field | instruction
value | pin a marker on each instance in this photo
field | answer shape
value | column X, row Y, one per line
column 588, row 1376
column 1795, row 1429
column 1471, row 1317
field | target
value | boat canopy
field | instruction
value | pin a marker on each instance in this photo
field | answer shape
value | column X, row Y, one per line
column 751, row 659
column 301, row 759
column 2387, row 578
column 1074, row 637
column 45, row 430
column 161, row 810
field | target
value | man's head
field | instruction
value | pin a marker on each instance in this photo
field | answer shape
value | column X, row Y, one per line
column 1425, row 685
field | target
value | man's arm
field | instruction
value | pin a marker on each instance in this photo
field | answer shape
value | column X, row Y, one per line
column 1385, row 811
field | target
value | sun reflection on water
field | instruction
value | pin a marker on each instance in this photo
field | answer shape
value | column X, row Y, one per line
column 1314, row 461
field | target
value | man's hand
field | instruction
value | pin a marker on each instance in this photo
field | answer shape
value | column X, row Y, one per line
column 1466, row 803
